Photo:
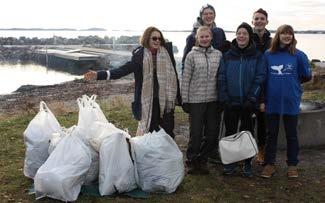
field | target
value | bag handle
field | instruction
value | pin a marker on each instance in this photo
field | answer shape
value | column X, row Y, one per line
column 250, row 138
column 43, row 106
column 80, row 103
column 93, row 97
column 222, row 123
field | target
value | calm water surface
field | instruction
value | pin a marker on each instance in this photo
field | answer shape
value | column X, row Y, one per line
column 14, row 76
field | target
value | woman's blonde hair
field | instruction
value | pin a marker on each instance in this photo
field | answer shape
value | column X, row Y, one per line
column 275, row 44
column 201, row 29
column 145, row 38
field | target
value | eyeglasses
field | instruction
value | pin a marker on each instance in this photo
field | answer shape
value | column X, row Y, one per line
column 156, row 38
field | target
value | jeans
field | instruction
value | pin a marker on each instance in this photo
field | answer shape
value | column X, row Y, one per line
column 261, row 128
column 233, row 115
column 290, row 126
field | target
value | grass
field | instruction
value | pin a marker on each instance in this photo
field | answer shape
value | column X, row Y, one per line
column 315, row 95
column 310, row 187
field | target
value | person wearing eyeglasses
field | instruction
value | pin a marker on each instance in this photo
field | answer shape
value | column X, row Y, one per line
column 287, row 68
column 199, row 96
column 262, row 39
column 241, row 73
column 156, row 82
column 206, row 17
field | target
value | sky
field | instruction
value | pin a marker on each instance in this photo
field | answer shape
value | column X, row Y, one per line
column 164, row 14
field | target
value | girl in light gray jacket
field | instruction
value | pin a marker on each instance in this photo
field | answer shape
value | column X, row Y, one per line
column 199, row 96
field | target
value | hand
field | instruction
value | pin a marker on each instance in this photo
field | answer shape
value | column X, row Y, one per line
column 262, row 107
column 90, row 75
column 186, row 107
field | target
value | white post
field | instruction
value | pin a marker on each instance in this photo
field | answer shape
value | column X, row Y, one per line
column 113, row 43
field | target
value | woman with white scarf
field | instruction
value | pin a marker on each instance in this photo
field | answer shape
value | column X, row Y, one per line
column 156, row 82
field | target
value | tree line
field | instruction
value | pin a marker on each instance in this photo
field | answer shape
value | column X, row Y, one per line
column 80, row 40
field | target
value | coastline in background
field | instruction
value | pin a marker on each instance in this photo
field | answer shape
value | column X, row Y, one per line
column 311, row 44
column 15, row 75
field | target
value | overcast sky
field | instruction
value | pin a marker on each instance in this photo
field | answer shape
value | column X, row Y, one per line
column 165, row 14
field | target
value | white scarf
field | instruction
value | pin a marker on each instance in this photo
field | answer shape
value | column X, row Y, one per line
column 167, row 87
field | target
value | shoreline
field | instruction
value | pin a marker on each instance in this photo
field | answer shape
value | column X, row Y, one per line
column 62, row 96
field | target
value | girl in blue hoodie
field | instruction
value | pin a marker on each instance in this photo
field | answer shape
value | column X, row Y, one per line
column 287, row 68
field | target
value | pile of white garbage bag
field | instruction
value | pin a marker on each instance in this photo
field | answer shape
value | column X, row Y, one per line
column 95, row 151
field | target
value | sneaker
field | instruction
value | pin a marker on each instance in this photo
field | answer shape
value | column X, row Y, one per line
column 229, row 169
column 268, row 171
column 260, row 156
column 247, row 170
column 292, row 172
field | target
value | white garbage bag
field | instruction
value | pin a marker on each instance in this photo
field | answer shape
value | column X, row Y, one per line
column 159, row 162
column 92, row 174
column 63, row 173
column 89, row 112
column 100, row 131
column 57, row 137
column 36, row 138
column 116, row 172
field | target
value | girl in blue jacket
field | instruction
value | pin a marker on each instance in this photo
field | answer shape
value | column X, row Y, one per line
column 287, row 68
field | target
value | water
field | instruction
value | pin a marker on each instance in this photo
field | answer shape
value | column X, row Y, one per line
column 311, row 44
column 12, row 76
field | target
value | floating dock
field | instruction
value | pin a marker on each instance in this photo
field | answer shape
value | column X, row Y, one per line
column 79, row 53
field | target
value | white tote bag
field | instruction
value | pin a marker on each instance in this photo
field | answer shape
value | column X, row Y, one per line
column 237, row 147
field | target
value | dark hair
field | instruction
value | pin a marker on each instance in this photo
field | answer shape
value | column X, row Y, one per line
column 206, row 7
column 262, row 11
column 275, row 44
column 144, row 40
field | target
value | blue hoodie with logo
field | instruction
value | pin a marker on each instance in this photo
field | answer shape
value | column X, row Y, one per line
column 285, row 73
